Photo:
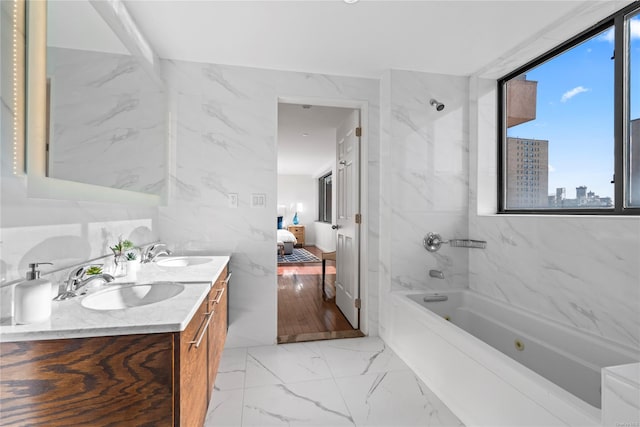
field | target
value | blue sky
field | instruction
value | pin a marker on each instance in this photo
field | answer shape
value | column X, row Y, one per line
column 575, row 113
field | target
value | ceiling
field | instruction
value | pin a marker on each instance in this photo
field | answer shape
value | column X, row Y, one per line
column 329, row 36
column 307, row 138
column 332, row 37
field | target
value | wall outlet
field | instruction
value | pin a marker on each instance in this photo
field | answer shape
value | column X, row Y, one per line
column 233, row 200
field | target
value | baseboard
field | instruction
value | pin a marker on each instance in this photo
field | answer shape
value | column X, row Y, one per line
column 317, row 336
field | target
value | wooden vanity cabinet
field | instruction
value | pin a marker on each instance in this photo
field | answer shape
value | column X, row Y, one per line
column 116, row 380
column 163, row 379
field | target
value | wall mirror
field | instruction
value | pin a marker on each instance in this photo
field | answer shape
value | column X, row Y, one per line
column 96, row 107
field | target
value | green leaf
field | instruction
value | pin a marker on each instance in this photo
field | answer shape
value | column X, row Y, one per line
column 93, row 270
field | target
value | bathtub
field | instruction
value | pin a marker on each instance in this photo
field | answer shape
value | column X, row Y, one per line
column 494, row 364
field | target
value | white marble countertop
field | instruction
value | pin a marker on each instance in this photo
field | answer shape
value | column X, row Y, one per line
column 69, row 319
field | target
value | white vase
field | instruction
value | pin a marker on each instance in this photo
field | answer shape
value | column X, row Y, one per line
column 133, row 265
column 119, row 266
column 132, row 270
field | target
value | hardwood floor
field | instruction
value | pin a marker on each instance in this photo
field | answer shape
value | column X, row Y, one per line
column 304, row 313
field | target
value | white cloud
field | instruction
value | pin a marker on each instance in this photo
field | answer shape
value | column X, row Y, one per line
column 608, row 36
column 634, row 30
column 573, row 92
column 551, row 168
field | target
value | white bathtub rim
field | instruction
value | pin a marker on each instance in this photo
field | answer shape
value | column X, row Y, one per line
column 525, row 337
column 544, row 392
column 628, row 351
column 462, row 409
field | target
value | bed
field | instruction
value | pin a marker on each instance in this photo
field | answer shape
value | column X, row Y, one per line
column 286, row 240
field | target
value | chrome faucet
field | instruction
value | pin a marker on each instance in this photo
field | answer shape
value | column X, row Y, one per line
column 76, row 283
column 151, row 252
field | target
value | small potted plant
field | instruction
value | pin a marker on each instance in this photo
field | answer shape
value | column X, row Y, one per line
column 93, row 270
column 133, row 264
column 119, row 256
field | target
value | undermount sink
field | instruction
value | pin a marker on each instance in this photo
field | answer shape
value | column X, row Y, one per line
column 117, row 297
column 184, row 261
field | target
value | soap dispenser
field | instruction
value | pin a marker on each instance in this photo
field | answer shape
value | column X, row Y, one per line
column 32, row 298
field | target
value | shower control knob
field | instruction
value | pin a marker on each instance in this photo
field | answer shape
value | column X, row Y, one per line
column 432, row 242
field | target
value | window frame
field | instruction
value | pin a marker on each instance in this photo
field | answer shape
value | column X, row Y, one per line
column 620, row 122
column 322, row 198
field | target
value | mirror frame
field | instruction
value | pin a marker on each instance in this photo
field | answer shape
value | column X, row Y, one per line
column 38, row 184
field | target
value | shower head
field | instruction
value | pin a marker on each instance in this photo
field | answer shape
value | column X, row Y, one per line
column 439, row 105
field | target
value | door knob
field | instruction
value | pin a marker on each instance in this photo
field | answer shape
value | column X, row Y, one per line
column 335, row 227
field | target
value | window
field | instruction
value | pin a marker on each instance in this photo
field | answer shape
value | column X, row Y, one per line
column 324, row 197
column 569, row 121
column 633, row 114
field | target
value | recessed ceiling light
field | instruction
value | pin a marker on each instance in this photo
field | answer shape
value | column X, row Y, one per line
column 350, row 1
column 305, row 134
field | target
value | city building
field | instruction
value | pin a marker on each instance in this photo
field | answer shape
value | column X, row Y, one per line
column 521, row 100
column 584, row 199
column 527, row 173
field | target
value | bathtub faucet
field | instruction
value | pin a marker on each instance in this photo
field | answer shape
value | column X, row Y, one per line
column 436, row 273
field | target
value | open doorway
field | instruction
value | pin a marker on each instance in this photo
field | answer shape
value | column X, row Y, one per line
column 310, row 258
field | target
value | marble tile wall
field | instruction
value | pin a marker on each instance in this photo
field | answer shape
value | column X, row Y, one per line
column 108, row 121
column 424, row 185
column 224, row 141
column 582, row 271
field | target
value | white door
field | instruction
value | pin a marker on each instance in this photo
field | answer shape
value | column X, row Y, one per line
column 347, row 210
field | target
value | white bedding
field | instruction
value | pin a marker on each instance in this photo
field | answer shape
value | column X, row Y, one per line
column 285, row 236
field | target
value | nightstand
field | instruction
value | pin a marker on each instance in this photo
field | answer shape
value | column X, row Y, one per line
column 298, row 231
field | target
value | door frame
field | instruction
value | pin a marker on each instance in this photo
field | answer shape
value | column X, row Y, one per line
column 363, row 106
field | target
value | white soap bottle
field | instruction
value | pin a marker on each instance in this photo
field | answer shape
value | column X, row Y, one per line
column 32, row 298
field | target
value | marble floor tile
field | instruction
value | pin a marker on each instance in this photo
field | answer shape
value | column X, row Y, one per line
column 285, row 364
column 395, row 398
column 359, row 356
column 316, row 403
column 326, row 383
column 225, row 408
column 232, row 369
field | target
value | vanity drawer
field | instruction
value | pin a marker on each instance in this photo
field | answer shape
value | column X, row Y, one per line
column 87, row 381
column 192, row 396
